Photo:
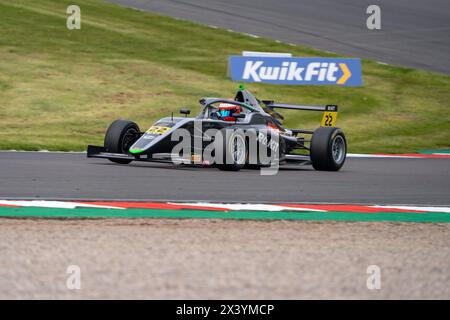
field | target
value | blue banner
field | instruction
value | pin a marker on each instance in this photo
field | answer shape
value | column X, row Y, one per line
column 296, row 71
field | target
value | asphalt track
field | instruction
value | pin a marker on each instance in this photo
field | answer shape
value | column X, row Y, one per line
column 362, row 180
column 222, row 259
column 413, row 33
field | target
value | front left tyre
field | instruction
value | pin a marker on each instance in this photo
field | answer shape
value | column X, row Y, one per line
column 119, row 137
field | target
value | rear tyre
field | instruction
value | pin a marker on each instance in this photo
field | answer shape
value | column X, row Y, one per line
column 328, row 149
column 119, row 137
column 234, row 151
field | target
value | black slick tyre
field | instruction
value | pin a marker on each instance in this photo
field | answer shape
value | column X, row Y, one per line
column 328, row 149
column 119, row 137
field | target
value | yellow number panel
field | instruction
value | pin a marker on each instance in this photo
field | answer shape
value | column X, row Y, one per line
column 329, row 119
column 158, row 130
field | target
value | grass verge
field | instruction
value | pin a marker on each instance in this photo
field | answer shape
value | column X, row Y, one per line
column 60, row 89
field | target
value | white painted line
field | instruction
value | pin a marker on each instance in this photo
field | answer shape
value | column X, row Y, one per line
column 363, row 155
column 414, row 208
column 245, row 206
column 251, row 35
column 300, row 208
column 53, row 204
column 350, row 155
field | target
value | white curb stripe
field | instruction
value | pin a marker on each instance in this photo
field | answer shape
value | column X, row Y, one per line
column 363, row 155
column 53, row 204
column 423, row 209
column 245, row 206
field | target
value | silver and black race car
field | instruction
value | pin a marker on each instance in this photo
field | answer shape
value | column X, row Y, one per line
column 229, row 134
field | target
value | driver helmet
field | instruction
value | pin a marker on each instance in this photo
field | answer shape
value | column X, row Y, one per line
column 226, row 111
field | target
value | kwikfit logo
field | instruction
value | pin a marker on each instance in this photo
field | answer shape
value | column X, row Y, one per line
column 296, row 70
column 291, row 71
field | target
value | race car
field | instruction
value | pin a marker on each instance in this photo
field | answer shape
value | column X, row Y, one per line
column 244, row 127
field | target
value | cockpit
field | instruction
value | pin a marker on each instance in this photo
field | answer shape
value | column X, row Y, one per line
column 230, row 110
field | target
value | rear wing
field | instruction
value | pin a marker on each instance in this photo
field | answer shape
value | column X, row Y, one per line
column 329, row 111
column 272, row 105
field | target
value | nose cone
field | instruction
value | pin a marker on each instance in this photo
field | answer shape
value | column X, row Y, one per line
column 135, row 150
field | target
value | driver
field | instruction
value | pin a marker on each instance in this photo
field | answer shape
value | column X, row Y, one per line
column 226, row 111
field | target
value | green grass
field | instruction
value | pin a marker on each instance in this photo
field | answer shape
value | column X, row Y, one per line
column 59, row 89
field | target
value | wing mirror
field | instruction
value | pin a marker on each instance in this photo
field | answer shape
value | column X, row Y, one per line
column 186, row 112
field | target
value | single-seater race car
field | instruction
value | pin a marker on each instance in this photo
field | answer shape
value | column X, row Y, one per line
column 325, row 147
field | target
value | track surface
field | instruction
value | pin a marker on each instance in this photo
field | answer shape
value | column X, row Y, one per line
column 73, row 176
column 210, row 259
column 413, row 33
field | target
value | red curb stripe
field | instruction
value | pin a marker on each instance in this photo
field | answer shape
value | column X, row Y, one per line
column 9, row 205
column 151, row 205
